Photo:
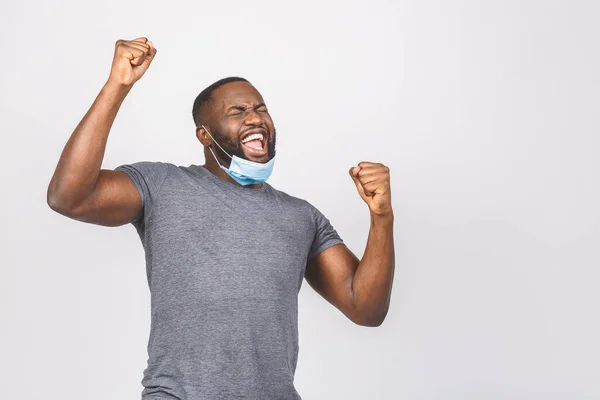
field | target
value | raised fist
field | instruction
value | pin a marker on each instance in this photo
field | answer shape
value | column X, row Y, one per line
column 372, row 181
column 131, row 60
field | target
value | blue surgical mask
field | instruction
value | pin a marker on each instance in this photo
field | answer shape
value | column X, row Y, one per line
column 244, row 172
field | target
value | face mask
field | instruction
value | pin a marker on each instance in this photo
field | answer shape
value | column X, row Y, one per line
column 242, row 171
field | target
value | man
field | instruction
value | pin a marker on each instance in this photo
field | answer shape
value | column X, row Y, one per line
column 226, row 253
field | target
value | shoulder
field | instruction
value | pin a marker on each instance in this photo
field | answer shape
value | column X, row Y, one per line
column 147, row 167
column 311, row 211
column 288, row 198
column 151, row 174
column 163, row 169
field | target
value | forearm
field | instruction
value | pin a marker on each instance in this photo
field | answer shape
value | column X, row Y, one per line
column 81, row 159
column 372, row 281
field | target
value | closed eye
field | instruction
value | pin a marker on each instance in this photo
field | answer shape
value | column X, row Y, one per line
column 236, row 110
column 261, row 108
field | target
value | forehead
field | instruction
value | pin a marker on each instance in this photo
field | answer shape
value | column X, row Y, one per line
column 235, row 94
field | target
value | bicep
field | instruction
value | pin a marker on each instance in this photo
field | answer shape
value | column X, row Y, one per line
column 330, row 274
column 115, row 201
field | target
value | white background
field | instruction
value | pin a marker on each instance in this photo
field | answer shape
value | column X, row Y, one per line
column 486, row 113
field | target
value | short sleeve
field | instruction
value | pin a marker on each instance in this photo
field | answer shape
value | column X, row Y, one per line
column 325, row 235
column 148, row 177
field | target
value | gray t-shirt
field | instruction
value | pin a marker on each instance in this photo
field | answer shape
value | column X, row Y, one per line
column 224, row 266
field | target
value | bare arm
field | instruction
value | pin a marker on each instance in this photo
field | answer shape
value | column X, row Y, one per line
column 361, row 290
column 79, row 188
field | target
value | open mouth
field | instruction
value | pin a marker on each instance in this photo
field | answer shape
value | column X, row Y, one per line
column 255, row 144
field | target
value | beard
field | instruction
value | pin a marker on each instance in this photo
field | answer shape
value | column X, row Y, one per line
column 234, row 147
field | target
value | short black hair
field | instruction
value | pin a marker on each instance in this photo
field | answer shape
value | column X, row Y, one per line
column 203, row 99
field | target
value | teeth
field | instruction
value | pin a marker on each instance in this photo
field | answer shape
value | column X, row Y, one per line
column 254, row 136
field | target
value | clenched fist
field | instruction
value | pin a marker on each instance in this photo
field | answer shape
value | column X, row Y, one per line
column 131, row 60
column 372, row 181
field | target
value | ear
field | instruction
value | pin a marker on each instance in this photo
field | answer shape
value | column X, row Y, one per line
column 203, row 136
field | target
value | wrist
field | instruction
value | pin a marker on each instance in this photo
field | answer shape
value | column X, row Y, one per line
column 116, row 88
column 386, row 217
column 114, row 93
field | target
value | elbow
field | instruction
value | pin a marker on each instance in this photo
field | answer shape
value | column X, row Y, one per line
column 371, row 320
column 374, row 323
column 369, row 315
column 369, row 324
column 59, row 203
column 53, row 198
column 57, row 206
column 54, row 201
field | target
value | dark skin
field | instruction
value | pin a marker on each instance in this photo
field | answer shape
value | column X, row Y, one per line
column 236, row 108
column 360, row 289
column 81, row 190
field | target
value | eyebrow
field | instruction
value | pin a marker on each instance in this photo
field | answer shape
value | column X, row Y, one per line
column 242, row 108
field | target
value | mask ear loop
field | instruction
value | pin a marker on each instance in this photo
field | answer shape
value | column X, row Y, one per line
column 216, row 159
column 213, row 139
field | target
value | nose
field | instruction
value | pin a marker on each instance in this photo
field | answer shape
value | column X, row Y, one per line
column 254, row 118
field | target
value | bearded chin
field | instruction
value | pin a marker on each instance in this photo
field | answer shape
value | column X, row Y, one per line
column 234, row 148
column 271, row 145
